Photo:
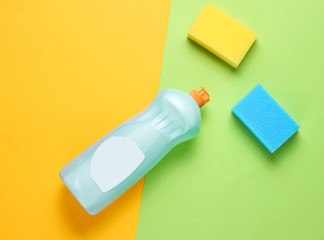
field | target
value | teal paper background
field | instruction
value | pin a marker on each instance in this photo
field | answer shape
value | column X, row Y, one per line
column 224, row 184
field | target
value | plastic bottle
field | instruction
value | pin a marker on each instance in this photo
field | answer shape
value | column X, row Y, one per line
column 118, row 160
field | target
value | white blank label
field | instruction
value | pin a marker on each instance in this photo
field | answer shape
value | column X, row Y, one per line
column 114, row 160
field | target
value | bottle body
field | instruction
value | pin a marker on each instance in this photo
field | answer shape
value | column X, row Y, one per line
column 118, row 160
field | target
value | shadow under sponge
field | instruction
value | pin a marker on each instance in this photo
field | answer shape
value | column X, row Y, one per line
column 265, row 118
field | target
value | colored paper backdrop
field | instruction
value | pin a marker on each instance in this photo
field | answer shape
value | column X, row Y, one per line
column 224, row 184
column 70, row 71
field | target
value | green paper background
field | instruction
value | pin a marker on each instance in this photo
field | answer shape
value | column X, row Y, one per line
column 224, row 184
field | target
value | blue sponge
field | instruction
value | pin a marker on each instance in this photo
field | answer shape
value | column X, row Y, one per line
column 264, row 117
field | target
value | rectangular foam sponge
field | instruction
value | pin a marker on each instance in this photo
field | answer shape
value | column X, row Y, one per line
column 265, row 118
column 222, row 35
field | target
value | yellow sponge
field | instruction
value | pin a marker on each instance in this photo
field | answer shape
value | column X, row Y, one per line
column 222, row 35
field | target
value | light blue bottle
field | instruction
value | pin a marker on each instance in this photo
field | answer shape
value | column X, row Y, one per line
column 118, row 160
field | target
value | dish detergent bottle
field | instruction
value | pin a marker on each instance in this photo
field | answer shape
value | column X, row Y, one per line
column 118, row 160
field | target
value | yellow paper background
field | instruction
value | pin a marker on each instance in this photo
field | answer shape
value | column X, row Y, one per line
column 70, row 71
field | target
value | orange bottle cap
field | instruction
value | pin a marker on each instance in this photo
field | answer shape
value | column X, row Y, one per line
column 201, row 97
